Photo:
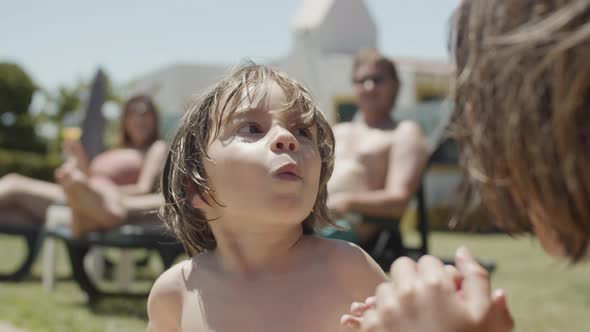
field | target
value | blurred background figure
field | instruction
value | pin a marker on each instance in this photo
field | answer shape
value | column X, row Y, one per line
column 94, row 190
column 378, row 162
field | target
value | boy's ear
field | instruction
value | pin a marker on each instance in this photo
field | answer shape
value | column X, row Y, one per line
column 197, row 201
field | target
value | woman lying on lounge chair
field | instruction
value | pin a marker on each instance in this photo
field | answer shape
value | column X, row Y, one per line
column 99, row 192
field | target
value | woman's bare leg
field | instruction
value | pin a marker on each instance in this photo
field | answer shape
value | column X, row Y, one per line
column 31, row 195
column 95, row 202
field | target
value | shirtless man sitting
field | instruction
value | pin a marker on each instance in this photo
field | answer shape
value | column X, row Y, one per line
column 378, row 162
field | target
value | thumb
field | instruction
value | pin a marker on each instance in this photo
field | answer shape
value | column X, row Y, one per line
column 476, row 284
column 502, row 316
column 499, row 299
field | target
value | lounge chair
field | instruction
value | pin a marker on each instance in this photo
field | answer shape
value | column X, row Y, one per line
column 31, row 235
column 141, row 231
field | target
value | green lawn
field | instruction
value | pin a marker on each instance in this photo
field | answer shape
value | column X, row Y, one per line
column 544, row 295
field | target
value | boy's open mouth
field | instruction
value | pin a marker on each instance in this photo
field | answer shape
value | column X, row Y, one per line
column 288, row 172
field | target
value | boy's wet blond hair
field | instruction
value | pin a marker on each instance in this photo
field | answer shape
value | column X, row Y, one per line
column 184, row 171
column 523, row 111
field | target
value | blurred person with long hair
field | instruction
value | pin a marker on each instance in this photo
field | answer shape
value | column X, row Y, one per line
column 96, row 190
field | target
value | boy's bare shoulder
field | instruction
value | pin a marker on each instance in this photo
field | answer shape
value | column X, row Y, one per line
column 172, row 278
column 334, row 246
column 353, row 266
column 166, row 298
column 346, row 256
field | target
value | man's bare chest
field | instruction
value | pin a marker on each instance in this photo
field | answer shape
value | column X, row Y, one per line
column 368, row 144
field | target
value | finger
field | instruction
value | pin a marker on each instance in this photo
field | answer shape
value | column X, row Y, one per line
column 502, row 316
column 371, row 322
column 500, row 303
column 371, row 300
column 499, row 299
column 433, row 272
column 455, row 275
column 403, row 273
column 359, row 308
column 476, row 284
column 352, row 322
column 385, row 296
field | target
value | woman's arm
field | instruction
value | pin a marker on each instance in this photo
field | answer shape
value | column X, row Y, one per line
column 74, row 150
column 150, row 172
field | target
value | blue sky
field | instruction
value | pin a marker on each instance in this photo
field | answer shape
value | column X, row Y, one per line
column 60, row 41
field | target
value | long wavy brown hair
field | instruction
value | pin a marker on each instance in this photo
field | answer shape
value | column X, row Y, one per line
column 522, row 116
column 184, row 171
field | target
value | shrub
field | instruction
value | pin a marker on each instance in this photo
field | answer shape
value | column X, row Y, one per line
column 17, row 128
column 34, row 165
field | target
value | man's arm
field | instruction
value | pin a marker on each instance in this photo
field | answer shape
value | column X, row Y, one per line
column 406, row 165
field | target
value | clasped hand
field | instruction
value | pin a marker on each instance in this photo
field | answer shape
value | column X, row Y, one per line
column 428, row 296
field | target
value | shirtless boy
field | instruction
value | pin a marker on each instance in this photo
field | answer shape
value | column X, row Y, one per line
column 245, row 184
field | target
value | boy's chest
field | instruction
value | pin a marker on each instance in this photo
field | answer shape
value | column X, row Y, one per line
column 272, row 306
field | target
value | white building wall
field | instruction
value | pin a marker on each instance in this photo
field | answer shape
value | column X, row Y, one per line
column 406, row 95
column 342, row 32
column 173, row 86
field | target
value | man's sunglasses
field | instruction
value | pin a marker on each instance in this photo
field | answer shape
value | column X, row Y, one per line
column 376, row 79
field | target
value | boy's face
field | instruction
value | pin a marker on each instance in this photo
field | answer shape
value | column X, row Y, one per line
column 265, row 165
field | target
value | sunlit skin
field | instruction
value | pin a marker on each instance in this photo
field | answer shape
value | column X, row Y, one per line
column 265, row 275
column 257, row 142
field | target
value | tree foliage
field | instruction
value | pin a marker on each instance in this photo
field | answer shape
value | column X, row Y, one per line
column 17, row 128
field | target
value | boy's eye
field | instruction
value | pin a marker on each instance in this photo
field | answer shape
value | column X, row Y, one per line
column 250, row 128
column 305, row 132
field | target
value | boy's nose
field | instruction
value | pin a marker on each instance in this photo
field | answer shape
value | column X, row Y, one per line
column 285, row 141
column 281, row 146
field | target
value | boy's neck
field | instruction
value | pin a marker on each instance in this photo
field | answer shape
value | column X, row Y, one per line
column 249, row 252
